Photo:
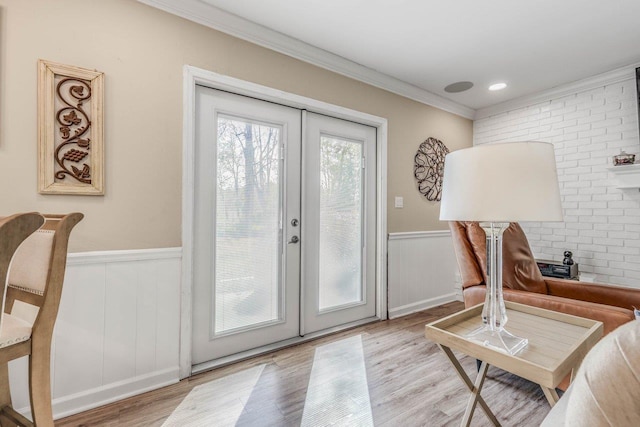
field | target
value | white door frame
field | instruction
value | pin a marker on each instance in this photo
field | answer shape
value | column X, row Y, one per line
column 193, row 76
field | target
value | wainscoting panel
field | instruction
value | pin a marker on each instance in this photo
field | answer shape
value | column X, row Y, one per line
column 117, row 332
column 422, row 271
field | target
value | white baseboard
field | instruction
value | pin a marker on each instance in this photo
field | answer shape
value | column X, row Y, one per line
column 99, row 396
column 421, row 305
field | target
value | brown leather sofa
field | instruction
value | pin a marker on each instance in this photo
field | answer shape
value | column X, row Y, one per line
column 523, row 282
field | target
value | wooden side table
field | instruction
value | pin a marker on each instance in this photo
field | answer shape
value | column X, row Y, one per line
column 557, row 344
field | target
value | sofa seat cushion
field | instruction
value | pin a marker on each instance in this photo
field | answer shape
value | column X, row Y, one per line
column 606, row 390
column 13, row 330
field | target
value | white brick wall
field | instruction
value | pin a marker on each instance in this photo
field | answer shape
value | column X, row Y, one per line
column 601, row 223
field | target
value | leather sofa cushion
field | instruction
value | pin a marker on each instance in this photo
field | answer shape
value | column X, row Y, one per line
column 519, row 269
column 606, row 390
column 471, row 266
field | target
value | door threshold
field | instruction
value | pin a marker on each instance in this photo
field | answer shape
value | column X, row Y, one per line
column 227, row 360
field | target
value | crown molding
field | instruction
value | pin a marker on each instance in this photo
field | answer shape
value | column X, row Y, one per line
column 599, row 80
column 212, row 17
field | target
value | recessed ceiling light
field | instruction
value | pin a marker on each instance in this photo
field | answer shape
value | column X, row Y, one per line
column 497, row 86
column 458, row 87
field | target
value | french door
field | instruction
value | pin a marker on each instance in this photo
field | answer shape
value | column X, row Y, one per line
column 284, row 224
column 338, row 222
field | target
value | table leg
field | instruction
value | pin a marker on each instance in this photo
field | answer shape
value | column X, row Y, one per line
column 475, row 389
column 574, row 370
column 475, row 394
column 551, row 394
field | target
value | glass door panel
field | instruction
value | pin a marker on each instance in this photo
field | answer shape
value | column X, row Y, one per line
column 340, row 272
column 248, row 246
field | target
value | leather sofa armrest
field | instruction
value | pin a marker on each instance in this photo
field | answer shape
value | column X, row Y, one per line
column 617, row 296
column 610, row 316
column 474, row 295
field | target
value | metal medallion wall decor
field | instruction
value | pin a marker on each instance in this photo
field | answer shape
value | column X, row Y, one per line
column 70, row 130
column 428, row 168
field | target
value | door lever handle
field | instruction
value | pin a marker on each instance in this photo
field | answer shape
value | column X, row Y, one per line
column 294, row 239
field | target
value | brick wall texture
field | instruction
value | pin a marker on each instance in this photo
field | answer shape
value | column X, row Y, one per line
column 601, row 223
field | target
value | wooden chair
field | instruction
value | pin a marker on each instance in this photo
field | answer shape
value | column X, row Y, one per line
column 31, row 306
column 13, row 231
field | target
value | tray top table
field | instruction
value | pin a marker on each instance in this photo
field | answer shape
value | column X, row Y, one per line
column 557, row 344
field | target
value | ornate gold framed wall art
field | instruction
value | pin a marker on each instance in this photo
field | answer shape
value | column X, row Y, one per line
column 70, row 130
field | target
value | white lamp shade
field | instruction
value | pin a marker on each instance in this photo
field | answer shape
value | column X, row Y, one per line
column 507, row 182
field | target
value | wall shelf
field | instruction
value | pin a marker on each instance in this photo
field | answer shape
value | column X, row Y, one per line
column 627, row 176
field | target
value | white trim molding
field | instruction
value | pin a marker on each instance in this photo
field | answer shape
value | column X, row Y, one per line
column 212, row 17
column 419, row 234
column 593, row 82
column 194, row 76
column 94, row 257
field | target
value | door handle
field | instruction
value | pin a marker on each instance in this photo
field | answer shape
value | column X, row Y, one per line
column 294, row 239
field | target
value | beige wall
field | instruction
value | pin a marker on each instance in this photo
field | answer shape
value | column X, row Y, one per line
column 142, row 51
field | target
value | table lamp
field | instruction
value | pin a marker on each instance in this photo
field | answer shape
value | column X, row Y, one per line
column 496, row 184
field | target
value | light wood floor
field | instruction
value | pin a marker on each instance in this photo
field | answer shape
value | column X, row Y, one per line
column 410, row 383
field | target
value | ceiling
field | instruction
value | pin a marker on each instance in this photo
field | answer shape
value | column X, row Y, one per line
column 433, row 43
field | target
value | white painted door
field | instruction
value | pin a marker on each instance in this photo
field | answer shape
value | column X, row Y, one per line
column 247, row 209
column 338, row 222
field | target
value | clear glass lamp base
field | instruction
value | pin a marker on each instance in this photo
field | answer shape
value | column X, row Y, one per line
column 494, row 313
column 499, row 339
